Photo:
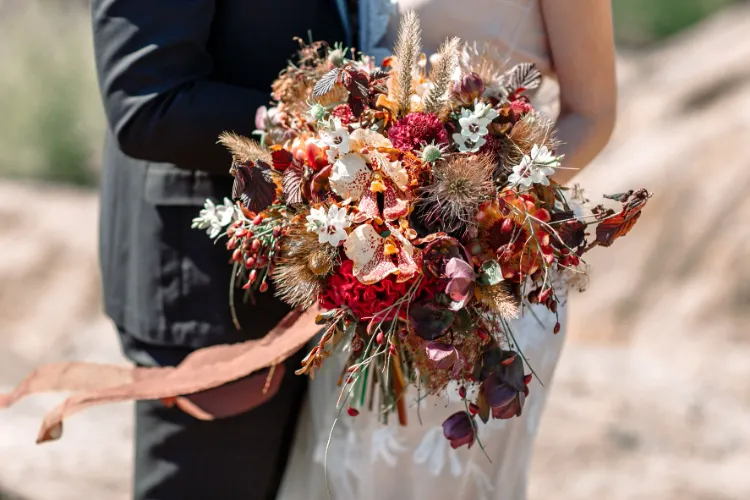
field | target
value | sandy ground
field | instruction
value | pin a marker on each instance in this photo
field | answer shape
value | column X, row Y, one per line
column 650, row 400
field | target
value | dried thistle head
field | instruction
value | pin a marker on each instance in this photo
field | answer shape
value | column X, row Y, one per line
column 532, row 129
column 499, row 298
column 405, row 56
column 461, row 184
column 302, row 265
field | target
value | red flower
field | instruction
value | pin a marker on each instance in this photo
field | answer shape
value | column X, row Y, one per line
column 417, row 129
column 344, row 113
column 515, row 109
column 493, row 146
column 343, row 289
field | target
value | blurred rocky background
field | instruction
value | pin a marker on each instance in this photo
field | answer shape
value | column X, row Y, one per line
column 651, row 400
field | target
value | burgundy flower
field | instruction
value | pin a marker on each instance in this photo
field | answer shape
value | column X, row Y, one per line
column 505, row 389
column 416, row 129
column 493, row 146
column 459, row 429
column 469, row 87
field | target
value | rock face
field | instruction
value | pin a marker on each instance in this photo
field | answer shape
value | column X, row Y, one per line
column 650, row 399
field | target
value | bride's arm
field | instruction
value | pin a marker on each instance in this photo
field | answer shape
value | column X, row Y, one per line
column 582, row 44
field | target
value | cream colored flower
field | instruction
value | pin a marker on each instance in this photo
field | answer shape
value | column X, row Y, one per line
column 376, row 256
column 350, row 177
column 330, row 226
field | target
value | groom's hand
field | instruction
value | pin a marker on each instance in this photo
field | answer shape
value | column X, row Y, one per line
column 233, row 398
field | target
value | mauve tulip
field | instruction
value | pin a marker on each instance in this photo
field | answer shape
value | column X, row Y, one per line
column 469, row 87
column 459, row 429
column 444, row 356
column 505, row 388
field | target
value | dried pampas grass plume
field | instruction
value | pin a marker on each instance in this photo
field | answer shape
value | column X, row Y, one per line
column 406, row 53
column 244, row 150
column 302, row 265
column 499, row 299
column 461, row 184
column 435, row 99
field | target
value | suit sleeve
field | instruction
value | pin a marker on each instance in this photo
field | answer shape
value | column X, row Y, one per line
column 153, row 68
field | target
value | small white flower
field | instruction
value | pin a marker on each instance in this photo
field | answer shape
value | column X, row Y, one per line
column 543, row 157
column 225, row 213
column 466, row 145
column 316, row 221
column 329, row 226
column 535, row 168
column 337, row 141
column 484, row 112
column 474, row 126
column 213, row 218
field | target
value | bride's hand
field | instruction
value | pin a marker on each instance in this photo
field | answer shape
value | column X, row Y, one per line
column 582, row 45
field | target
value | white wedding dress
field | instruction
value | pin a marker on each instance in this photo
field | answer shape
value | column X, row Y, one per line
column 367, row 460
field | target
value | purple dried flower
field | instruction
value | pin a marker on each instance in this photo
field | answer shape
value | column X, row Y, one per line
column 459, row 429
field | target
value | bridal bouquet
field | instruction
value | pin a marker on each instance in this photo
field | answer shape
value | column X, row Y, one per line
column 416, row 209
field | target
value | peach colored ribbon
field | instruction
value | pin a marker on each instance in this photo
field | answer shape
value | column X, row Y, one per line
column 197, row 385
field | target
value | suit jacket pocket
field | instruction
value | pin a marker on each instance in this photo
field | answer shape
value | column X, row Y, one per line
column 195, row 273
column 167, row 185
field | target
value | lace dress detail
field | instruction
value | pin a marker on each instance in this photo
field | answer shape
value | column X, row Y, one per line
column 367, row 460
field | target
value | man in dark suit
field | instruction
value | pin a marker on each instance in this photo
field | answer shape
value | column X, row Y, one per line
column 174, row 74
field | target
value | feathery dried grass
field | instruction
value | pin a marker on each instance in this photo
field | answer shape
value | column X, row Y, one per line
column 406, row 53
column 435, row 99
column 499, row 299
column 243, row 149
